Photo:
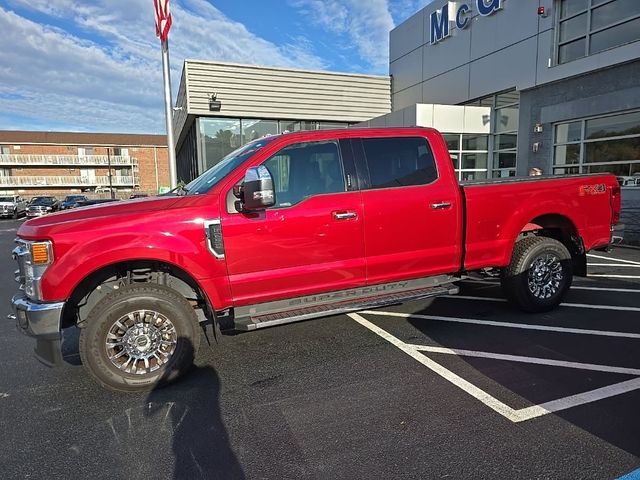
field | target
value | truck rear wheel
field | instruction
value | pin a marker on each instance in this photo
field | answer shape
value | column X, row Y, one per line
column 539, row 275
column 139, row 337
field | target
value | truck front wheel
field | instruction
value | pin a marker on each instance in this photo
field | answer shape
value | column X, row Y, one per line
column 139, row 337
column 539, row 275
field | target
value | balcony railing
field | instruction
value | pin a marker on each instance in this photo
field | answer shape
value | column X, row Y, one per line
column 70, row 181
column 76, row 160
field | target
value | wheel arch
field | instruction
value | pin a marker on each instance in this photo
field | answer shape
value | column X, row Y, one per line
column 561, row 228
column 106, row 278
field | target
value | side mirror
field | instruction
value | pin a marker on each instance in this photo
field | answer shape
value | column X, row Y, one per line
column 257, row 192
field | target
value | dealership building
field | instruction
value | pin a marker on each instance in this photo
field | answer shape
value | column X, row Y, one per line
column 513, row 84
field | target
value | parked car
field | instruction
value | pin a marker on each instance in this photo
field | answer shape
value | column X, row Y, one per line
column 96, row 201
column 12, row 206
column 39, row 206
column 72, row 201
column 103, row 190
column 627, row 181
column 138, row 195
column 292, row 227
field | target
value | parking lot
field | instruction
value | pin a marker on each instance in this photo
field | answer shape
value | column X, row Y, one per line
column 467, row 388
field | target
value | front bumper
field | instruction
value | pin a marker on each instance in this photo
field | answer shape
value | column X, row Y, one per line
column 41, row 321
column 36, row 213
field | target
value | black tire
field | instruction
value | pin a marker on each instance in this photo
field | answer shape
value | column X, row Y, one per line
column 539, row 275
column 146, row 312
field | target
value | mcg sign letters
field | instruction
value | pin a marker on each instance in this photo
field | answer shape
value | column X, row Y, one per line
column 458, row 13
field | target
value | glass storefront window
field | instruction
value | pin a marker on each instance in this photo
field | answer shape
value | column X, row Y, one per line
column 610, row 144
column 568, row 132
column 219, row 137
column 567, row 154
column 254, row 129
column 506, row 141
column 506, row 119
column 585, row 28
column 612, row 12
column 571, row 7
column 469, row 154
column 502, row 144
column 504, row 160
column 453, row 141
column 474, row 161
column 330, row 125
column 620, row 125
column 613, row 150
column 297, row 126
column 474, row 142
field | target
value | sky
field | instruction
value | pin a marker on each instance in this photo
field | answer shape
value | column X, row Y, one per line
column 95, row 66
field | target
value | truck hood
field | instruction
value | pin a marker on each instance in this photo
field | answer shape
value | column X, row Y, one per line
column 7, row 204
column 105, row 213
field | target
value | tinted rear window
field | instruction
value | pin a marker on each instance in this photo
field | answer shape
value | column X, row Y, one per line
column 399, row 161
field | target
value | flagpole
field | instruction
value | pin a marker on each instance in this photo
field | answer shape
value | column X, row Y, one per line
column 168, row 112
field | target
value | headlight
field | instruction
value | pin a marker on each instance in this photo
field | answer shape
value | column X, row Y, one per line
column 37, row 258
column 48, row 208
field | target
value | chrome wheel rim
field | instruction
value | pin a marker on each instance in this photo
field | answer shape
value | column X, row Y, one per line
column 141, row 342
column 545, row 276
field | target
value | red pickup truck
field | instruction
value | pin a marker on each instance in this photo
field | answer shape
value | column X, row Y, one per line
column 291, row 227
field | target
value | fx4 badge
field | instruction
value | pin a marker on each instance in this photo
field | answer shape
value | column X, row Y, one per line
column 598, row 189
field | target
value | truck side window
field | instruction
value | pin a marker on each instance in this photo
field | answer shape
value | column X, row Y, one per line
column 399, row 161
column 306, row 169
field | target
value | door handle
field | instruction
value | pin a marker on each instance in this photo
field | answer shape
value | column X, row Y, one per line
column 344, row 215
column 441, row 206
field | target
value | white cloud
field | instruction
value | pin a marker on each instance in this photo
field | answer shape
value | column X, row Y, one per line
column 403, row 9
column 106, row 75
column 365, row 23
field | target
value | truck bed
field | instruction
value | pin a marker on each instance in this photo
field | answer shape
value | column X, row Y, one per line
column 497, row 211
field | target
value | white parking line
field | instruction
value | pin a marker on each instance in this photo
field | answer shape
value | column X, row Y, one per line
column 613, row 276
column 522, row 326
column 533, row 360
column 490, row 401
column 605, row 289
column 593, row 255
column 494, row 283
column 572, row 305
column 617, row 265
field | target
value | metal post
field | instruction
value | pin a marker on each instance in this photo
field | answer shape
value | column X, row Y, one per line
column 168, row 111
column 109, row 174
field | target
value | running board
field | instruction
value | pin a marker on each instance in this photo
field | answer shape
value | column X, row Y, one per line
column 334, row 303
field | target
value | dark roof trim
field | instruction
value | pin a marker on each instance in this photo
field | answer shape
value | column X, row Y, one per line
column 19, row 137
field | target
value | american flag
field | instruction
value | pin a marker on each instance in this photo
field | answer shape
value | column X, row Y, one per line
column 163, row 18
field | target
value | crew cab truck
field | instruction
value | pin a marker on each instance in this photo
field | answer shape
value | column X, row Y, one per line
column 291, row 227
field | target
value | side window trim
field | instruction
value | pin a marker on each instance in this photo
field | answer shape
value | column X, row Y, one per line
column 349, row 166
column 362, row 168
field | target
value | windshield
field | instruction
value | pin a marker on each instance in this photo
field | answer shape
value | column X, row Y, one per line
column 211, row 177
column 6, row 199
column 42, row 201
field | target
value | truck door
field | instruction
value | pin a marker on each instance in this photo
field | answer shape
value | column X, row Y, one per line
column 310, row 241
column 412, row 212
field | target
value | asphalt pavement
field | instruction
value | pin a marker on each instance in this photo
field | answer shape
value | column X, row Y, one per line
column 467, row 388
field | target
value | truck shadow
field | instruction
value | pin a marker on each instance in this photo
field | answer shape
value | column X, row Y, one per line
column 199, row 437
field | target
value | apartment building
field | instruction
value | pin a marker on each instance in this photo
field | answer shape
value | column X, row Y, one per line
column 60, row 163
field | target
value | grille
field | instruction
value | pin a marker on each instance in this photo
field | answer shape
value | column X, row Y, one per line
column 19, row 255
